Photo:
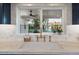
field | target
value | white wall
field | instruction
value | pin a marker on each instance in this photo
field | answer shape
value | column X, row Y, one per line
column 73, row 32
column 8, row 33
column 67, row 7
column 69, row 14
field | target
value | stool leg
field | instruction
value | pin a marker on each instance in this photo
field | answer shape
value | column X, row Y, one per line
column 37, row 39
column 29, row 39
column 44, row 39
column 49, row 38
column 25, row 39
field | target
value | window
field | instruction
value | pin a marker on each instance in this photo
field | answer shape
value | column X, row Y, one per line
column 52, row 21
column 36, row 20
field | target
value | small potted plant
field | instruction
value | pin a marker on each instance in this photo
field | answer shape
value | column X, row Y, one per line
column 53, row 28
column 59, row 30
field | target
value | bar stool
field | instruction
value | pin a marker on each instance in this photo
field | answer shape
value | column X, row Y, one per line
column 42, row 37
column 27, row 39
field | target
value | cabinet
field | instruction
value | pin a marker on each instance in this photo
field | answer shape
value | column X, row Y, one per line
column 5, row 16
column 75, row 13
column 1, row 10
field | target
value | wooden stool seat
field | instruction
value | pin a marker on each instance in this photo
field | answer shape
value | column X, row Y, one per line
column 27, row 39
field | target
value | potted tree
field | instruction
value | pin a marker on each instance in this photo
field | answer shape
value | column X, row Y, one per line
column 36, row 25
